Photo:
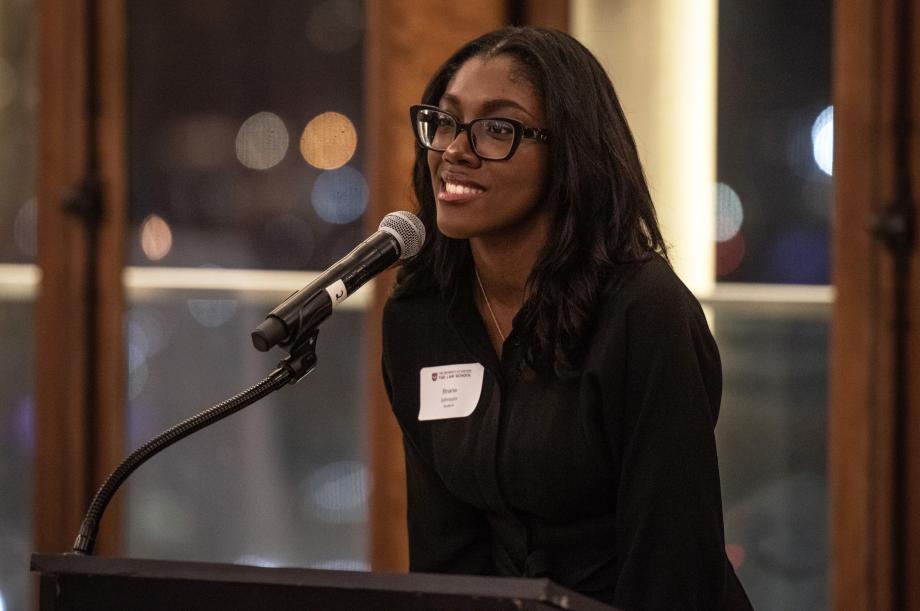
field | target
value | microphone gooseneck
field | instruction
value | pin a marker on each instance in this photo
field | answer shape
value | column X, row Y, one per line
column 294, row 323
column 400, row 236
column 86, row 538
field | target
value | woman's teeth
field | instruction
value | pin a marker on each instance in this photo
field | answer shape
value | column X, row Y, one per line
column 455, row 189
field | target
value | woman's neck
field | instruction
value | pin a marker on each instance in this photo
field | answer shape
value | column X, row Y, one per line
column 504, row 263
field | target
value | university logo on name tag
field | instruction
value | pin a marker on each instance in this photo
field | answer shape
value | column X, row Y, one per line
column 449, row 391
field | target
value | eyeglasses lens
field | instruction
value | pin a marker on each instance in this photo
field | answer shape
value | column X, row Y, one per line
column 491, row 138
column 436, row 130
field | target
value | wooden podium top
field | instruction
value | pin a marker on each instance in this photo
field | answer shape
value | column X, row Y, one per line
column 70, row 582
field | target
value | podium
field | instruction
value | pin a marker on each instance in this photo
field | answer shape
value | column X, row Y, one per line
column 72, row 583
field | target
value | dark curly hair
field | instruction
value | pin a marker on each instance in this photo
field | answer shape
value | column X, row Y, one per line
column 604, row 218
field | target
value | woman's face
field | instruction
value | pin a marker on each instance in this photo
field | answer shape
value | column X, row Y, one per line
column 478, row 198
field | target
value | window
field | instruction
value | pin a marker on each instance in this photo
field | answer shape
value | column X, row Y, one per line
column 245, row 173
column 18, row 282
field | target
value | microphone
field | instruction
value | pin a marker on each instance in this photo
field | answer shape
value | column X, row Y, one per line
column 399, row 236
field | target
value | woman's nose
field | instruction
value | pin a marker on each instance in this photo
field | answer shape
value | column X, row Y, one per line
column 460, row 150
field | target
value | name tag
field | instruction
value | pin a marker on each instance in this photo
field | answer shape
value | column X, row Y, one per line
column 449, row 391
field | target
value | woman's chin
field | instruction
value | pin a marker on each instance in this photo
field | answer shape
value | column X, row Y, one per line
column 456, row 228
column 454, row 232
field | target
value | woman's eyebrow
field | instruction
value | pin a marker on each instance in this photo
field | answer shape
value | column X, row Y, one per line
column 489, row 107
column 499, row 104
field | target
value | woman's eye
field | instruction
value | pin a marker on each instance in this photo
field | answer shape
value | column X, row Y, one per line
column 499, row 128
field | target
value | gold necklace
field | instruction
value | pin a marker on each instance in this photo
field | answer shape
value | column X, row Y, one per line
column 488, row 305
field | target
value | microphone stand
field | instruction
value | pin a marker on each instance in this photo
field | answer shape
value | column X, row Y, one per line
column 300, row 362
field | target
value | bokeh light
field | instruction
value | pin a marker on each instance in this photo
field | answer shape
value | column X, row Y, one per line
column 138, row 372
column 25, row 228
column 340, row 196
column 200, row 141
column 338, row 492
column 328, row 141
column 147, row 330
column 212, row 312
column 24, row 423
column 9, row 83
column 262, row 141
column 729, row 212
column 822, row 140
column 163, row 515
column 730, row 254
column 800, row 255
column 156, row 237
column 335, row 25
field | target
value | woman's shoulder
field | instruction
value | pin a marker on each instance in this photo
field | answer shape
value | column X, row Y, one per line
column 652, row 317
column 649, row 296
column 651, row 283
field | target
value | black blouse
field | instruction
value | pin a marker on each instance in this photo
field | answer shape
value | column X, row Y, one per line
column 605, row 481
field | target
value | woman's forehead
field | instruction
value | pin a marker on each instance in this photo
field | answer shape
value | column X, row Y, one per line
column 488, row 84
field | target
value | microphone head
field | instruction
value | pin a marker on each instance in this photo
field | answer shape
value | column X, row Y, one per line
column 408, row 230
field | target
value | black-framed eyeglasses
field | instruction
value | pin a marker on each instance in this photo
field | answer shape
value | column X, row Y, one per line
column 491, row 138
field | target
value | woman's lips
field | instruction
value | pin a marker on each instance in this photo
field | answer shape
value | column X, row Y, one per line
column 455, row 191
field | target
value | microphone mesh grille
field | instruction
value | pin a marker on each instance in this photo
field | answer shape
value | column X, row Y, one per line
column 409, row 230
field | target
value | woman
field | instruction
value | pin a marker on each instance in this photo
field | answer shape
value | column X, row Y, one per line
column 556, row 384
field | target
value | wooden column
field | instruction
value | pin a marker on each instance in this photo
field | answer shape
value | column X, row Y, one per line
column 862, row 425
column 554, row 14
column 111, row 375
column 61, row 474
column 79, row 431
column 406, row 42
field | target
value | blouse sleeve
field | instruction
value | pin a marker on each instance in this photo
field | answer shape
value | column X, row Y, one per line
column 446, row 535
column 670, row 541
